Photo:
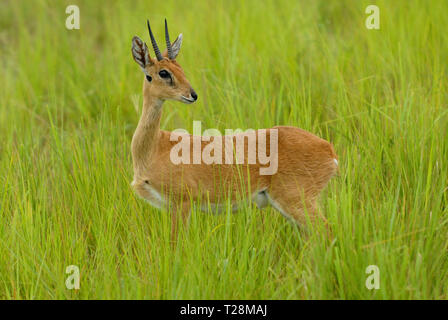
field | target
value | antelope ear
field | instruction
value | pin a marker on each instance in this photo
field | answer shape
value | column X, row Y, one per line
column 175, row 46
column 140, row 53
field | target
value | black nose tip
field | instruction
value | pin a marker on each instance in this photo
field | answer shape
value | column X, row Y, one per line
column 194, row 95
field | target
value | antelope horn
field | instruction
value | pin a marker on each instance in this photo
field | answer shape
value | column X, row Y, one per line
column 154, row 44
column 168, row 42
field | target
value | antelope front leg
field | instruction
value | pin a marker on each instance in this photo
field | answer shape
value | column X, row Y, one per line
column 181, row 210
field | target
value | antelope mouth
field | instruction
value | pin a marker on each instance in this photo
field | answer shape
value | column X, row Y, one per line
column 186, row 100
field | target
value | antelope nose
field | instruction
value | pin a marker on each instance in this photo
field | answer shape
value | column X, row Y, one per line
column 194, row 95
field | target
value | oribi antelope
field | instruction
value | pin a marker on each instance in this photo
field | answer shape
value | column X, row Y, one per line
column 305, row 162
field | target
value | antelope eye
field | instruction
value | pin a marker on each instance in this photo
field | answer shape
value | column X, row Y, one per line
column 164, row 74
column 148, row 78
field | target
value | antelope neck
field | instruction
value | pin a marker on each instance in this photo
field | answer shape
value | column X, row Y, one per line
column 146, row 136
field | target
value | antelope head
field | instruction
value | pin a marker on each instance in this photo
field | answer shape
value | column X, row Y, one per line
column 164, row 77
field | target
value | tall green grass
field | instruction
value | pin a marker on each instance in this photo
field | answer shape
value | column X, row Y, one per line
column 70, row 100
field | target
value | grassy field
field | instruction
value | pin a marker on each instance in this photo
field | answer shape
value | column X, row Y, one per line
column 70, row 101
